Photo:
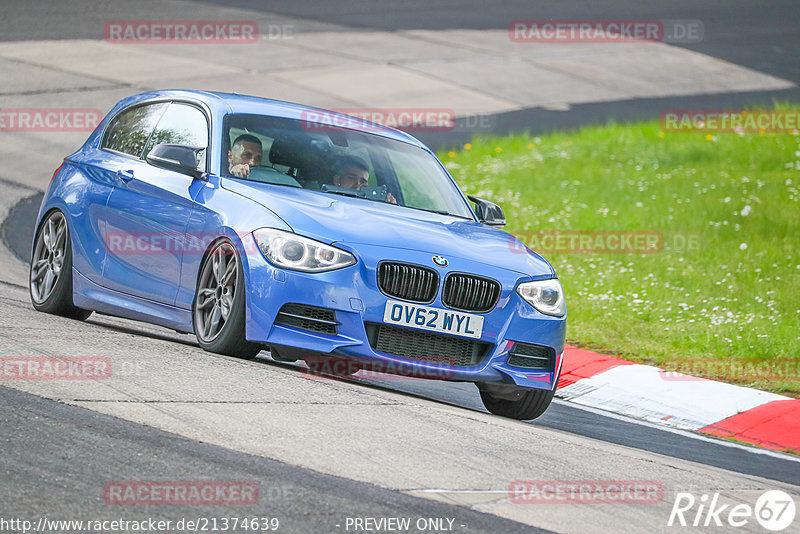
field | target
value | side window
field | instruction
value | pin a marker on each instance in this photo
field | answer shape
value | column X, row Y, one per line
column 181, row 124
column 239, row 155
column 129, row 131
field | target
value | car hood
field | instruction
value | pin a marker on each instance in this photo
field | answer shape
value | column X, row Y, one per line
column 335, row 218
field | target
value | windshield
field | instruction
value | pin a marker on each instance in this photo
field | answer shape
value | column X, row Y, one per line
column 337, row 161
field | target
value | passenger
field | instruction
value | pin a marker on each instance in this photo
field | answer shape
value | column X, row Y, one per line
column 353, row 173
column 245, row 152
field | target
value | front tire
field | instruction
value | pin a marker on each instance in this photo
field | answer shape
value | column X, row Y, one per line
column 517, row 403
column 50, row 277
column 218, row 309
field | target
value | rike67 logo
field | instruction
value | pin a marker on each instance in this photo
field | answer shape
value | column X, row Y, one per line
column 774, row 510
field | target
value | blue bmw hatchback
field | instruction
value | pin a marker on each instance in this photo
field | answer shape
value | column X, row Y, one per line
column 257, row 224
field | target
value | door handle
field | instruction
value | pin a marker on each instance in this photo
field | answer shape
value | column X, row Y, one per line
column 125, row 176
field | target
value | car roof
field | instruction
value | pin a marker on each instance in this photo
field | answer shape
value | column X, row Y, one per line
column 224, row 103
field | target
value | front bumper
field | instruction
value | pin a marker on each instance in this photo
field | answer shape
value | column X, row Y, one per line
column 357, row 301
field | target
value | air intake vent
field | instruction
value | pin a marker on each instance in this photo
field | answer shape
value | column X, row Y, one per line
column 470, row 293
column 311, row 318
column 423, row 346
column 408, row 282
column 529, row 356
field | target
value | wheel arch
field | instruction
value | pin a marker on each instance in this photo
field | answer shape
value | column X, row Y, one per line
column 239, row 243
column 45, row 212
column 242, row 243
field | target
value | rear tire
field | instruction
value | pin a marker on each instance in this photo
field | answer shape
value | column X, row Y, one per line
column 218, row 309
column 50, row 276
column 520, row 403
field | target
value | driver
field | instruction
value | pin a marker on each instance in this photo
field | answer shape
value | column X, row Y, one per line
column 353, row 173
column 245, row 152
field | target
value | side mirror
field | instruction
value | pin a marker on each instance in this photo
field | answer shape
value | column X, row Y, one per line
column 488, row 212
column 178, row 158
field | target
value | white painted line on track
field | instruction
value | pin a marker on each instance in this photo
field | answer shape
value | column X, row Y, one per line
column 437, row 490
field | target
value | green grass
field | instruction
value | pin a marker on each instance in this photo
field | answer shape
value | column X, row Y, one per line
column 727, row 308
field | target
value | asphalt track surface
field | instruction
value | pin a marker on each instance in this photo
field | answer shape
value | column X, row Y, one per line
column 55, row 468
column 55, row 456
column 560, row 416
column 760, row 35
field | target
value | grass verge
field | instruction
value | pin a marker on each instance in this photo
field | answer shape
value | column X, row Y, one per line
column 718, row 294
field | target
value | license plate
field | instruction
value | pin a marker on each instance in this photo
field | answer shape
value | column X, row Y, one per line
column 433, row 319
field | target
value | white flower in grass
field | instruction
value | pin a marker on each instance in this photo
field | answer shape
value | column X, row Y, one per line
column 745, row 211
column 743, row 246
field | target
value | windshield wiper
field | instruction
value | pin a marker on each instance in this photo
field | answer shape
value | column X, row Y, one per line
column 368, row 193
column 345, row 192
column 338, row 190
column 445, row 212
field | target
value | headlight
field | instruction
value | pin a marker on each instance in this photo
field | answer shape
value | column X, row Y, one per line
column 547, row 296
column 298, row 253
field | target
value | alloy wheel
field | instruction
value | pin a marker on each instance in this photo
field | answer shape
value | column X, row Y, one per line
column 48, row 257
column 215, row 291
